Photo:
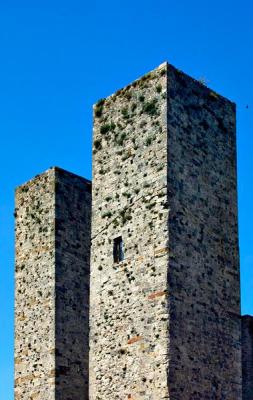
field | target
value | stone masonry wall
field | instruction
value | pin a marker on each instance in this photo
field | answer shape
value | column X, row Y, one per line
column 73, row 220
column 203, row 277
column 52, row 219
column 165, row 321
column 129, row 311
column 35, row 289
column 247, row 357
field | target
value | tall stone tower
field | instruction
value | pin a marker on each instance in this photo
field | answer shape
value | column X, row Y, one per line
column 165, row 297
column 52, row 287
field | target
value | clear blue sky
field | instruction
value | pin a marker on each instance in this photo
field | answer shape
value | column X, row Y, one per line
column 59, row 57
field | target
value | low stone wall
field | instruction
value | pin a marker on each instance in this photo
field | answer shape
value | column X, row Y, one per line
column 247, row 357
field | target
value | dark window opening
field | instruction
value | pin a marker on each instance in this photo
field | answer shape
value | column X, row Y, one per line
column 118, row 254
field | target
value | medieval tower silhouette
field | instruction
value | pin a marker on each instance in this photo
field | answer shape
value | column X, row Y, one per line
column 136, row 293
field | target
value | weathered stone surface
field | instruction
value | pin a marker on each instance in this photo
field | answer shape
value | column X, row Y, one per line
column 52, row 287
column 203, row 273
column 247, row 357
column 164, row 307
column 128, row 330
column 165, row 321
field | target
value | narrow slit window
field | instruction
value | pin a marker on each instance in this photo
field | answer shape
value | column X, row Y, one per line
column 118, row 254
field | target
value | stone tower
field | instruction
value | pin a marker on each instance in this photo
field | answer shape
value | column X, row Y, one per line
column 52, row 287
column 165, row 297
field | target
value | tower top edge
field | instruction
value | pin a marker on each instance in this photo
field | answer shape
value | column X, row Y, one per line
column 167, row 66
column 53, row 171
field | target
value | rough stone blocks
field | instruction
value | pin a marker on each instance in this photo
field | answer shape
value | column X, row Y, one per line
column 165, row 319
column 52, row 287
column 247, row 357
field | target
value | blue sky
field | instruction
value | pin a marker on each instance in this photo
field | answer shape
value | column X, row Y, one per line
column 59, row 57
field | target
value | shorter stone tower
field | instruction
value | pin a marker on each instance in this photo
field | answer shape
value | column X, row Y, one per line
column 52, row 287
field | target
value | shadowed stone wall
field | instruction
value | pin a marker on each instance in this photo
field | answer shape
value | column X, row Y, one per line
column 203, row 274
column 247, row 357
column 165, row 321
column 52, row 287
